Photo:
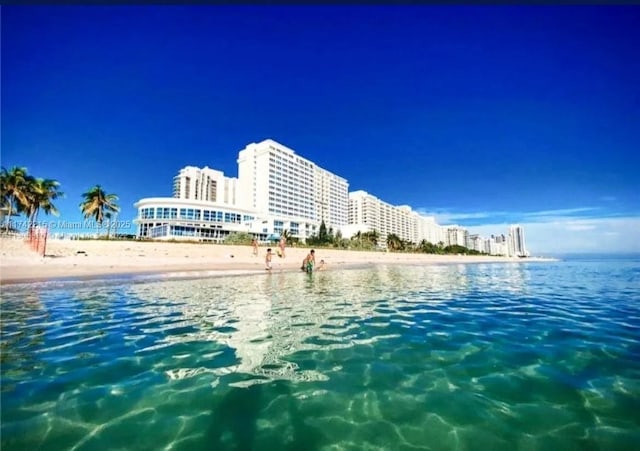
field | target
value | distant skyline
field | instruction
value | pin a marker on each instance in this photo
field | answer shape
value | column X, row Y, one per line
column 482, row 116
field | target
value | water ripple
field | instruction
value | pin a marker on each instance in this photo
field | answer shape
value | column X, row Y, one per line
column 541, row 356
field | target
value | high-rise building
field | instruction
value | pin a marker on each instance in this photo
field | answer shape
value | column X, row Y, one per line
column 475, row 242
column 457, row 235
column 274, row 180
column 206, row 184
column 516, row 243
column 331, row 198
column 427, row 229
column 367, row 212
column 277, row 190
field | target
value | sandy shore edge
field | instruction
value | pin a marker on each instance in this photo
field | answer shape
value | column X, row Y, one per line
column 67, row 259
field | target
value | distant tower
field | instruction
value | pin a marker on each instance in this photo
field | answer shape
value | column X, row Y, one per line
column 205, row 184
column 516, row 241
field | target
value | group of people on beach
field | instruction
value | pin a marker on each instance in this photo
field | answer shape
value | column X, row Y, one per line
column 280, row 251
column 308, row 264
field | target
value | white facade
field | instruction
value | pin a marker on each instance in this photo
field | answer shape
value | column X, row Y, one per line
column 331, row 198
column 497, row 247
column 184, row 219
column 456, row 235
column 174, row 218
column 274, row 180
column 486, row 245
column 516, row 243
column 427, row 229
column 476, row 243
column 206, row 184
column 367, row 212
column 278, row 190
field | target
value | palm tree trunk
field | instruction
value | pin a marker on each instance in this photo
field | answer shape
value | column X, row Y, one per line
column 109, row 223
column 115, row 225
column 9, row 213
column 30, row 224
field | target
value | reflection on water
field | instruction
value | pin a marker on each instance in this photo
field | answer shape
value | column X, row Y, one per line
column 495, row 356
column 267, row 318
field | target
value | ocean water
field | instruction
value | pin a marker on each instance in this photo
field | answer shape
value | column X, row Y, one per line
column 533, row 356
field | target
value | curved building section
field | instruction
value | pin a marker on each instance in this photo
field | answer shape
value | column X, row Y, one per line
column 170, row 218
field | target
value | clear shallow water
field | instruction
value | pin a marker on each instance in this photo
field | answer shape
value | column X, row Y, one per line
column 537, row 356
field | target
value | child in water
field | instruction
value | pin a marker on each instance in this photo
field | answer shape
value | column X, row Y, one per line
column 267, row 260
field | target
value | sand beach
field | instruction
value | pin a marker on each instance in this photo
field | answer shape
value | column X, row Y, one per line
column 95, row 258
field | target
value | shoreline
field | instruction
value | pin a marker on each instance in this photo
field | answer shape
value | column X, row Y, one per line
column 98, row 259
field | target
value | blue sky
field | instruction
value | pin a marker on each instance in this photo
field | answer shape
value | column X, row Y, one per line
column 482, row 116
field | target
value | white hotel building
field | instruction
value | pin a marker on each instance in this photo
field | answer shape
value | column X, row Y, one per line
column 457, row 236
column 367, row 213
column 273, row 180
column 278, row 190
column 275, row 190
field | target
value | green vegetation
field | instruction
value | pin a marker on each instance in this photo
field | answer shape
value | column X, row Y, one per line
column 289, row 239
column 21, row 193
column 369, row 241
column 99, row 205
column 396, row 244
column 238, row 238
column 366, row 241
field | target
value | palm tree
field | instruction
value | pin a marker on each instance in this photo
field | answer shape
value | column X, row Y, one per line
column 39, row 194
column 427, row 247
column 394, row 242
column 97, row 204
column 372, row 237
column 13, row 190
column 110, row 222
column 409, row 245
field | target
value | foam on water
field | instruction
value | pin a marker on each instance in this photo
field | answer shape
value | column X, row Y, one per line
column 502, row 356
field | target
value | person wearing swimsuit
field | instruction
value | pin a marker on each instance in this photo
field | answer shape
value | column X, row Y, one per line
column 309, row 262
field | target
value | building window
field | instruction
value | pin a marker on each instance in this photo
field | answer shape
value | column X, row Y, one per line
column 232, row 217
column 183, row 231
column 189, row 213
column 147, row 213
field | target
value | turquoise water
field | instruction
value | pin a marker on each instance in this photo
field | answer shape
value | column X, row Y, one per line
column 536, row 356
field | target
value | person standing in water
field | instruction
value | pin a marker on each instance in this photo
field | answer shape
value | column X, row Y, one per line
column 267, row 260
column 309, row 262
